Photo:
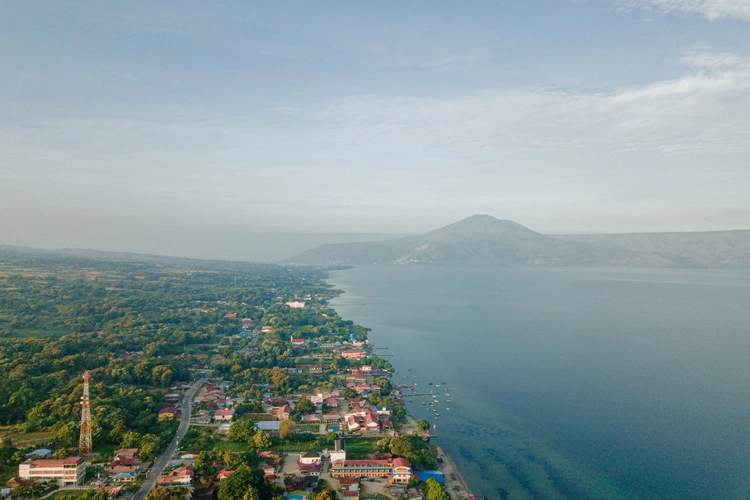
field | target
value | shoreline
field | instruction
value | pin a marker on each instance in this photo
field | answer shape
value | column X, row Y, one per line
column 457, row 488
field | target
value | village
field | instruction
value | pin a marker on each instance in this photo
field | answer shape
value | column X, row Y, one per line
column 327, row 425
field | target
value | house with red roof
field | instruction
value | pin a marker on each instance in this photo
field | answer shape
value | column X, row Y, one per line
column 223, row 474
column 284, row 412
column 354, row 354
column 371, row 422
column 179, row 476
column 224, row 415
column 168, row 413
column 397, row 470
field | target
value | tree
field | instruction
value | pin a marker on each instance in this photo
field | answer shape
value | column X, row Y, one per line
column 305, row 406
column 202, row 461
column 384, row 384
column 423, row 424
column 286, row 427
column 243, row 481
column 434, row 491
column 242, row 430
column 326, row 494
column 251, row 494
column 339, row 363
column 150, row 445
column 94, row 495
column 348, row 393
column 279, row 378
column 262, row 439
column 160, row 493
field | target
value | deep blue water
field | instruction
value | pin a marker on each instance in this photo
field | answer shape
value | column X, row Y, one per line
column 598, row 383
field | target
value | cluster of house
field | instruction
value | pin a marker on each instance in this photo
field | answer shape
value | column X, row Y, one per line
column 282, row 408
column 367, row 419
column 270, row 464
column 180, row 471
column 125, row 466
column 350, row 472
column 357, row 379
column 215, row 406
column 171, row 401
column 179, row 476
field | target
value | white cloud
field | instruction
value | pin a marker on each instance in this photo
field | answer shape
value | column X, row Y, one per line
column 709, row 60
column 707, row 109
column 710, row 9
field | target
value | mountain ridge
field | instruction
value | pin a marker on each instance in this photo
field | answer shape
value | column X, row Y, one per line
column 485, row 240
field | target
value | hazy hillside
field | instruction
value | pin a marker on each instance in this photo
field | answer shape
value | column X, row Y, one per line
column 484, row 240
column 690, row 249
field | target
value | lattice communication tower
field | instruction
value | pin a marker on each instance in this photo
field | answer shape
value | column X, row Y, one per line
column 84, row 443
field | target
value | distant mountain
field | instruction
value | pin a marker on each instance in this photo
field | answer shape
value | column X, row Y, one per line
column 482, row 240
column 689, row 249
column 84, row 256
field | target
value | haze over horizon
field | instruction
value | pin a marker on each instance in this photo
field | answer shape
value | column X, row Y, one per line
column 251, row 132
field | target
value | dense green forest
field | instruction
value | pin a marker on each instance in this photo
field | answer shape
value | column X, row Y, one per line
column 136, row 325
column 142, row 325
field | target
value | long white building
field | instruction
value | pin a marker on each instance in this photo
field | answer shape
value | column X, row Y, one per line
column 65, row 471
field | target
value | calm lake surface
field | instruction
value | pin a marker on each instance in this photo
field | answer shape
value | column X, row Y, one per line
column 586, row 383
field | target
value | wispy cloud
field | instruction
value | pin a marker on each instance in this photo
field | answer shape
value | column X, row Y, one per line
column 710, row 9
column 706, row 109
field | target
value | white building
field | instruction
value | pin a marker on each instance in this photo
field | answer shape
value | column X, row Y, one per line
column 65, row 471
column 309, row 457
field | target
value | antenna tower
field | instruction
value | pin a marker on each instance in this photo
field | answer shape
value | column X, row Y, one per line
column 84, row 443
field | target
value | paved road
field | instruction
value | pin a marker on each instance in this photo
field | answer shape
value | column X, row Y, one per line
column 161, row 462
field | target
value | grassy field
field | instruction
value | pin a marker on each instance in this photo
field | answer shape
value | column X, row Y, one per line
column 230, row 446
column 25, row 439
column 360, row 448
column 70, row 494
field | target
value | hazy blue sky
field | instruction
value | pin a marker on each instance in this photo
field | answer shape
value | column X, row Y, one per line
column 221, row 129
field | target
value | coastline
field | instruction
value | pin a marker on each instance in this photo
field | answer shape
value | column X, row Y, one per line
column 457, row 488
column 455, row 483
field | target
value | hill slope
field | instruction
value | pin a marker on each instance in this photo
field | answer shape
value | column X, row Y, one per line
column 482, row 240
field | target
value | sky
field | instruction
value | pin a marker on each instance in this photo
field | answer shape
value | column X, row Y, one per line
column 255, row 130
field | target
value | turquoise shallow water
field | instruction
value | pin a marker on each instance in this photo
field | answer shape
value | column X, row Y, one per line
column 587, row 383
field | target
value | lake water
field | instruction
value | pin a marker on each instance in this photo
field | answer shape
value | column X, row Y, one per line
column 583, row 383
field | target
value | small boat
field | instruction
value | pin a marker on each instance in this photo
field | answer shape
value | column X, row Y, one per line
column 424, row 403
